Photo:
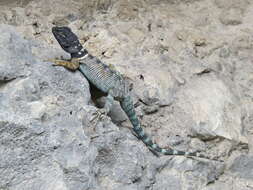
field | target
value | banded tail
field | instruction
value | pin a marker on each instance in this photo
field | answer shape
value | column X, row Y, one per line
column 128, row 107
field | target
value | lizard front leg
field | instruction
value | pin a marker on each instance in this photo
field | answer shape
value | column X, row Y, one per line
column 69, row 64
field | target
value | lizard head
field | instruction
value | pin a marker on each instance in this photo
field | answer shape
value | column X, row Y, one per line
column 68, row 41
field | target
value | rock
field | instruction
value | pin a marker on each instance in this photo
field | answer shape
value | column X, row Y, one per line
column 212, row 107
column 224, row 52
column 15, row 57
column 170, row 176
column 195, row 38
column 40, row 139
column 136, row 35
column 168, row 181
column 128, row 11
column 104, row 43
column 239, row 175
column 243, row 167
column 224, row 4
column 154, row 86
column 243, row 42
column 231, row 17
column 150, row 109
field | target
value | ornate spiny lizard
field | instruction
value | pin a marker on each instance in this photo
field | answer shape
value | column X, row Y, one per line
column 108, row 81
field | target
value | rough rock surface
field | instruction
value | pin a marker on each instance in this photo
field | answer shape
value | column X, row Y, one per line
column 190, row 62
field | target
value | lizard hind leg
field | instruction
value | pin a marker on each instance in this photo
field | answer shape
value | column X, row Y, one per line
column 108, row 103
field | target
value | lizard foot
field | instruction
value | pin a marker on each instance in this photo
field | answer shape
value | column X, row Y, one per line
column 99, row 115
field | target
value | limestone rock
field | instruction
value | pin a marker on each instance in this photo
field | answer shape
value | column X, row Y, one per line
column 212, row 107
column 231, row 17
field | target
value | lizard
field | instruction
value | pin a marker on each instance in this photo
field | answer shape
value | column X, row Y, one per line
column 110, row 82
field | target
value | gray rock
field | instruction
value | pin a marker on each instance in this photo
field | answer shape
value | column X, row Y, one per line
column 231, row 17
column 243, row 167
column 14, row 55
column 243, row 42
column 150, row 109
column 167, row 181
column 224, row 4
column 42, row 143
column 211, row 107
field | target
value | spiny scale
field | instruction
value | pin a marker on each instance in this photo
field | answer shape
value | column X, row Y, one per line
column 101, row 75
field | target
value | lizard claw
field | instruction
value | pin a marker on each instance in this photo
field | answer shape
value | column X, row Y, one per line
column 99, row 114
column 56, row 62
